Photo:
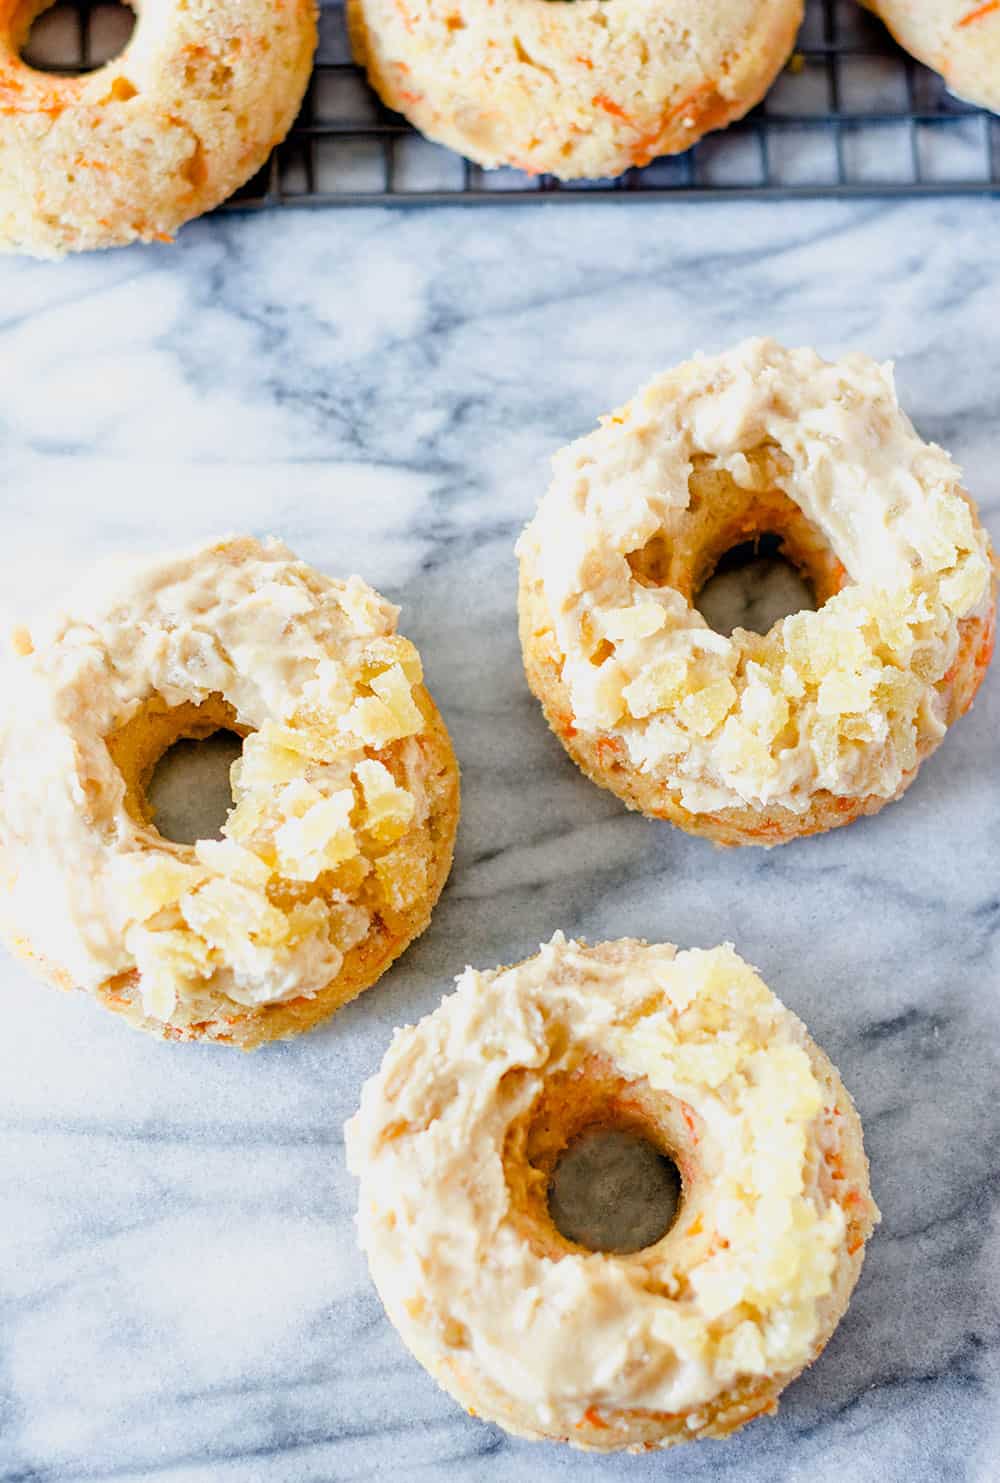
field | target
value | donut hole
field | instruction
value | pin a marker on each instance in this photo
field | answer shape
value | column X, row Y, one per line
column 613, row 1190
column 190, row 792
column 599, row 1162
column 176, row 763
column 74, row 37
column 744, row 554
column 754, row 585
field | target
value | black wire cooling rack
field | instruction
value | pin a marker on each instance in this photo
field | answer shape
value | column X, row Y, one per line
column 851, row 115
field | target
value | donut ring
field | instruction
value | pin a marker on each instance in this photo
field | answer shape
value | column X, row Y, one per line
column 582, row 89
column 756, row 739
column 455, row 1143
column 960, row 39
column 346, row 795
column 188, row 112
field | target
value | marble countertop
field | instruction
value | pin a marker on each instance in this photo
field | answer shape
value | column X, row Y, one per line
column 181, row 1297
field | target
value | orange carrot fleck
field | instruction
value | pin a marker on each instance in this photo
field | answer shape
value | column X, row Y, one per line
column 601, row 100
column 978, row 13
column 591, row 1418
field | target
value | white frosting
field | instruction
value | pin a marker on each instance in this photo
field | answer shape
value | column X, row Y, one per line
column 731, row 1291
column 313, row 668
column 836, row 700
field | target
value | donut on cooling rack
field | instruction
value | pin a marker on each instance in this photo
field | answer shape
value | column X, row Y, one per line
column 456, row 1143
column 755, row 739
column 960, row 39
column 582, row 89
column 346, row 794
column 186, row 114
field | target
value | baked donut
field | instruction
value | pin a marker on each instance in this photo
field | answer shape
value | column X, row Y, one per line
column 456, row 1142
column 582, row 89
column 346, row 794
column 190, row 110
column 958, row 38
column 755, row 739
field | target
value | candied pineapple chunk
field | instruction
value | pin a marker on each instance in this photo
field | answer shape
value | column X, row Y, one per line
column 638, row 622
column 224, row 913
column 269, row 758
column 318, row 838
column 150, row 881
column 705, row 709
column 599, row 694
column 366, row 610
column 845, row 692
column 382, row 653
column 167, row 961
column 389, row 809
column 387, row 715
column 402, row 876
column 658, row 687
column 226, row 857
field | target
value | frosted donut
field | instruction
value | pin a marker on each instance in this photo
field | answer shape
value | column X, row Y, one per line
column 456, row 1141
column 582, row 89
column 960, row 39
column 345, row 795
column 755, row 739
column 187, row 113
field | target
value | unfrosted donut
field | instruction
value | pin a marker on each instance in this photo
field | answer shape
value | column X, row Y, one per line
column 581, row 89
column 755, row 739
column 958, row 38
column 346, row 794
column 459, row 1133
column 187, row 113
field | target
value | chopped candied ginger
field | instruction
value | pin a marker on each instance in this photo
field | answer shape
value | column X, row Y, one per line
column 388, row 714
column 598, row 694
column 269, row 758
column 368, row 612
column 330, row 691
column 317, row 834
column 382, row 653
column 845, row 691
column 168, row 962
column 705, row 709
column 224, row 914
column 388, row 809
column 661, row 685
column 717, row 1039
column 226, row 857
column 744, row 750
column 149, row 881
column 402, row 876
column 637, row 622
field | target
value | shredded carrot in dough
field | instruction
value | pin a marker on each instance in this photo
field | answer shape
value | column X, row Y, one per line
column 978, row 13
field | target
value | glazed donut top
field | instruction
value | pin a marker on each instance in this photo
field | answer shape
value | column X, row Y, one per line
column 732, row 1290
column 313, row 670
column 838, row 699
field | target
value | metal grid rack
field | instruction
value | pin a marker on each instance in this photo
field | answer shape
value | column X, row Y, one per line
column 851, row 115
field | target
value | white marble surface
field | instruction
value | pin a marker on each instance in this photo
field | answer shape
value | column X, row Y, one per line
column 180, row 1294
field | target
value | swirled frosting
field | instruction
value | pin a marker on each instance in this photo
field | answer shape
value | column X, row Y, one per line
column 312, row 669
column 842, row 699
column 734, row 1290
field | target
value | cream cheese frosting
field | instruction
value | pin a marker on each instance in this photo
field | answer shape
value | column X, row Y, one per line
column 735, row 1289
column 313, row 672
column 844, row 699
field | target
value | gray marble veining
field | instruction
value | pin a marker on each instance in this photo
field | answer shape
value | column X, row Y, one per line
column 180, row 1293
